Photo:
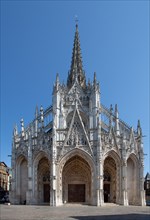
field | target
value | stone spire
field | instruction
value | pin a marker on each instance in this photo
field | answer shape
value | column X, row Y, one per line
column 76, row 71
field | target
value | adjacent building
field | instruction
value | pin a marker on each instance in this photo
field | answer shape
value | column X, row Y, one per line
column 147, row 187
column 5, row 180
column 77, row 150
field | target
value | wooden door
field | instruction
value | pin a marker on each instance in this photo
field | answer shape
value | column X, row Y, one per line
column 46, row 193
column 76, row 193
column 106, row 192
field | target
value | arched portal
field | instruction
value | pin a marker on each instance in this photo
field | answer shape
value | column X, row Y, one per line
column 22, row 179
column 43, row 174
column 131, row 181
column 109, row 182
column 76, row 180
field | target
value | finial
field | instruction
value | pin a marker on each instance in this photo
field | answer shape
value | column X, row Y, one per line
column 139, row 124
column 116, row 108
column 57, row 77
column 76, row 20
column 94, row 80
column 57, row 81
column 139, row 130
column 116, row 111
column 22, row 123
column 22, row 126
column 36, row 112
column 111, row 108
column 15, row 130
column 56, row 86
column 95, row 77
column 42, row 116
column 41, row 110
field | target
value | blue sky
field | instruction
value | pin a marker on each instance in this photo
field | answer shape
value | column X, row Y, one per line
column 37, row 41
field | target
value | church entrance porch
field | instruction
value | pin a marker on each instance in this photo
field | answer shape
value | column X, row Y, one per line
column 21, row 180
column 76, row 181
column 43, row 181
column 109, row 182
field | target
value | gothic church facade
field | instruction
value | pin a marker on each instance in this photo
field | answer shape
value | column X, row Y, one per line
column 77, row 150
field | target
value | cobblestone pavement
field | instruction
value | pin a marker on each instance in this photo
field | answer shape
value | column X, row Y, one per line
column 73, row 212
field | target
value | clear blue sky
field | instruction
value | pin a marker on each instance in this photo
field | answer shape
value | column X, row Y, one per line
column 37, row 41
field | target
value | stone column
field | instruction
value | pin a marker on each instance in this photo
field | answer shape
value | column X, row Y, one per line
column 53, row 201
column 98, row 183
column 101, row 192
column 124, row 183
column 124, row 191
column 100, row 196
column 29, row 193
column 141, row 170
column 53, row 187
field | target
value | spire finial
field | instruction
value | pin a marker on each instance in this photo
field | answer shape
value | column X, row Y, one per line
column 57, row 82
column 94, row 80
column 111, row 109
column 15, row 132
column 76, row 20
column 116, row 111
column 139, row 129
column 36, row 111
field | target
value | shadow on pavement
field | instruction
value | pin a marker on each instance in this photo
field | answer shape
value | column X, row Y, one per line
column 115, row 217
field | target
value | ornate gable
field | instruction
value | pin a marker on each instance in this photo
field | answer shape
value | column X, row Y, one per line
column 77, row 136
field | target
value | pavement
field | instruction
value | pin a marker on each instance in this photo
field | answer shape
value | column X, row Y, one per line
column 74, row 212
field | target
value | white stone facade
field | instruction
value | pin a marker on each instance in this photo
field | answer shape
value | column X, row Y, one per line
column 77, row 150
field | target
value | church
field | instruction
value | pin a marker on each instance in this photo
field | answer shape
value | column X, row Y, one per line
column 77, row 150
